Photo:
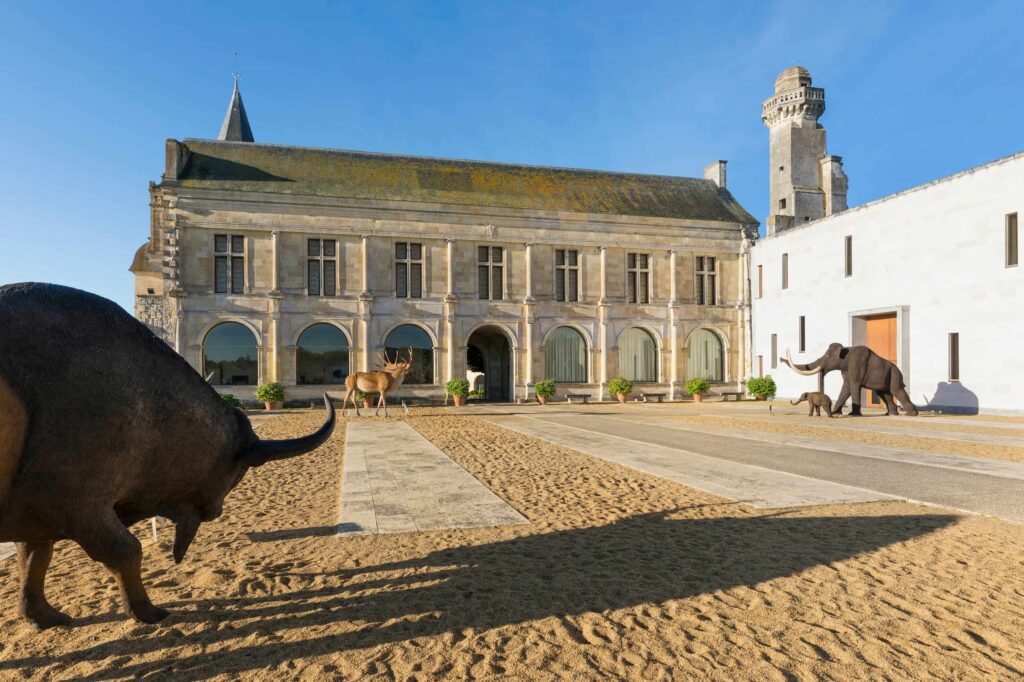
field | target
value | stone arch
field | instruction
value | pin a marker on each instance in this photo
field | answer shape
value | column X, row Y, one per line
column 322, row 364
column 232, row 358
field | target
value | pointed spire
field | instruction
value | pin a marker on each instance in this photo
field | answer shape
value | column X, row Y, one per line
column 236, row 123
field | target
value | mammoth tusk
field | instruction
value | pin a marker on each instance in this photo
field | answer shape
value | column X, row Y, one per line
column 806, row 372
column 263, row 451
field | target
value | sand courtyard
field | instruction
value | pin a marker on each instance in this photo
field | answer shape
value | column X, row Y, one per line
column 715, row 541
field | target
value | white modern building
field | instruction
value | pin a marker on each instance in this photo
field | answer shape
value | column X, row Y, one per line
column 928, row 277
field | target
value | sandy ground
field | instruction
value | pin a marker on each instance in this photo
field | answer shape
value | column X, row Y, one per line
column 618, row 575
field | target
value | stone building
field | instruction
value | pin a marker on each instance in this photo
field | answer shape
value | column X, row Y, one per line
column 298, row 265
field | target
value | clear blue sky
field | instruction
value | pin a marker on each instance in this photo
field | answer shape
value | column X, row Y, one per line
column 89, row 91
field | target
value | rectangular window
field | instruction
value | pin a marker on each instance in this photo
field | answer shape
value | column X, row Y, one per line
column 760, row 281
column 782, row 204
column 567, row 275
column 849, row 256
column 228, row 264
column 321, row 273
column 408, row 270
column 775, row 351
column 785, row 271
column 706, row 276
column 1011, row 240
column 954, row 356
column 490, row 271
column 638, row 278
column 803, row 333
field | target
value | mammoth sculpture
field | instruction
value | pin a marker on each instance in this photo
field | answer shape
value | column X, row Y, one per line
column 815, row 401
column 145, row 436
column 861, row 368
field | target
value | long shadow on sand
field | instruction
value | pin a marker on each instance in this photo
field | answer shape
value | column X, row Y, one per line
column 640, row 560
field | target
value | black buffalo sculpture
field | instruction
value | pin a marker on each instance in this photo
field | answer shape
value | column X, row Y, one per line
column 102, row 425
column 861, row 368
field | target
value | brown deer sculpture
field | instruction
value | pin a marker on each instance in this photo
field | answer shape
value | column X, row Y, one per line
column 389, row 376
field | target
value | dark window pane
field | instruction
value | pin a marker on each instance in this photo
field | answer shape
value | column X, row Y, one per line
column 237, row 244
column 312, row 247
column 559, row 256
column 711, row 263
column 560, row 285
column 631, row 260
column 401, row 280
column 712, row 299
column 700, row 289
column 643, row 260
column 237, row 275
column 496, row 287
column 643, row 295
column 700, row 263
column 496, row 254
column 481, row 254
column 631, row 287
column 481, row 280
column 415, row 251
column 329, row 247
column 416, row 280
column 401, row 250
column 322, row 356
column 229, row 353
column 572, row 286
column 220, row 274
column 329, row 283
column 313, row 277
column 220, row 243
column 571, row 257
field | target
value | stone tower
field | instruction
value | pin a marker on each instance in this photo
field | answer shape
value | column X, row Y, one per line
column 806, row 183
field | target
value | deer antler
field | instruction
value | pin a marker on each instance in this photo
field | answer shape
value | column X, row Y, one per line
column 410, row 355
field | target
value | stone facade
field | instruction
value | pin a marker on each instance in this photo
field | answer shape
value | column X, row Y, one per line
column 277, row 198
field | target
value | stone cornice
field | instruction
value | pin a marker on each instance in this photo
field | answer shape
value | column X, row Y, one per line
column 805, row 103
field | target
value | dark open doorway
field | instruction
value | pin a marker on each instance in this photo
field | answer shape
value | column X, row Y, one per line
column 488, row 351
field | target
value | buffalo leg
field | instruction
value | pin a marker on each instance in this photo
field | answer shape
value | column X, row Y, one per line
column 105, row 539
column 33, row 561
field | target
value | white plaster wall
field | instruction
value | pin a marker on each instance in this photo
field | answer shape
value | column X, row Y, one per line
column 938, row 251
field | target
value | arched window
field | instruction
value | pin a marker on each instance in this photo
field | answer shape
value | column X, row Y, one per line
column 322, row 356
column 565, row 356
column 408, row 336
column 229, row 352
column 705, row 356
column 638, row 355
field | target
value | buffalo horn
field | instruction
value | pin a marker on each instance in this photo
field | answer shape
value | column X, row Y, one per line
column 264, row 451
column 792, row 365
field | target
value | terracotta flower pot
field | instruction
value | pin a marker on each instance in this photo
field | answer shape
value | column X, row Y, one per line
column 460, row 400
column 621, row 397
column 542, row 399
column 367, row 402
column 697, row 397
column 271, row 405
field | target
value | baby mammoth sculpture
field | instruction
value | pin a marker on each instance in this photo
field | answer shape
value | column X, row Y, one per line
column 861, row 368
column 815, row 401
column 144, row 436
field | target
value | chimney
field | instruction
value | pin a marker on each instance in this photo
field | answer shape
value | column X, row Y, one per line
column 175, row 158
column 716, row 173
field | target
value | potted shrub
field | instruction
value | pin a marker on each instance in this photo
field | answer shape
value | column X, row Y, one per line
column 697, row 388
column 762, row 388
column 231, row 400
column 544, row 390
column 365, row 397
column 272, row 395
column 458, row 389
column 620, row 388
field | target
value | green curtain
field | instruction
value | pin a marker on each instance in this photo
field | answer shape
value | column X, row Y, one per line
column 638, row 355
column 565, row 356
column 705, row 359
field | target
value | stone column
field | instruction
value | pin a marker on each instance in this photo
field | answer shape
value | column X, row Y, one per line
column 602, row 330
column 365, row 301
column 365, row 266
column 526, row 370
column 673, row 317
column 275, row 242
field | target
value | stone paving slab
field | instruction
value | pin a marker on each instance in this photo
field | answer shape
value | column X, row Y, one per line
column 396, row 481
column 6, row 550
column 904, row 426
column 753, row 485
column 977, row 465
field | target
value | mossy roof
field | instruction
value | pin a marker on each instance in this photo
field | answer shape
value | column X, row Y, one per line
column 241, row 166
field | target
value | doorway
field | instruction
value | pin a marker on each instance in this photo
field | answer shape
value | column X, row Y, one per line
column 489, row 351
column 880, row 336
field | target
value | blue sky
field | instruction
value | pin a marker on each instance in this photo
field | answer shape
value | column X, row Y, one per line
column 89, row 91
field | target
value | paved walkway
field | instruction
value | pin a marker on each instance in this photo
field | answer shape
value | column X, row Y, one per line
column 992, row 492
column 396, row 481
column 754, row 485
column 907, row 426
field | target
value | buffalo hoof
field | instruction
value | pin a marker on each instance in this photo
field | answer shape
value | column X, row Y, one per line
column 43, row 617
column 154, row 614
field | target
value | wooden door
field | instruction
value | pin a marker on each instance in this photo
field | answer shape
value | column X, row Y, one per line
column 881, row 338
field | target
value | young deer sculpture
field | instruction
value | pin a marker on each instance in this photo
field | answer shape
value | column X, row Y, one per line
column 389, row 376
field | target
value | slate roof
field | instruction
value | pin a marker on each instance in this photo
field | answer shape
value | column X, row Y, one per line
column 225, row 165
